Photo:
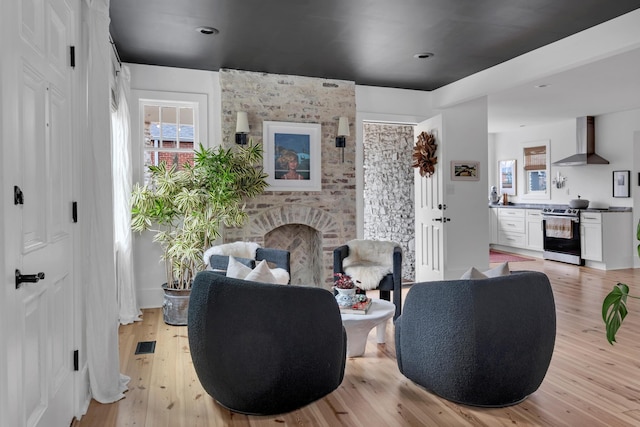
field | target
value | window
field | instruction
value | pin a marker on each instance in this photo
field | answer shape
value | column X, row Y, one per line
column 169, row 132
column 536, row 169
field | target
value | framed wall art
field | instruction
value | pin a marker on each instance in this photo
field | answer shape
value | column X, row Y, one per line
column 507, row 178
column 621, row 187
column 291, row 156
column 465, row 170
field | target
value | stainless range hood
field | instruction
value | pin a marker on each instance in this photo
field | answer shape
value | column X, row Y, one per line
column 585, row 145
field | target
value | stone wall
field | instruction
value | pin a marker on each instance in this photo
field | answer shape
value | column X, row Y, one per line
column 388, row 189
column 332, row 211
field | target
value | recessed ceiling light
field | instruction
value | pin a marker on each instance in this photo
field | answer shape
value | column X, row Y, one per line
column 423, row 55
column 207, row 30
column 542, row 86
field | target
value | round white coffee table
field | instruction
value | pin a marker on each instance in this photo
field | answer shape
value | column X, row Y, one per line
column 358, row 326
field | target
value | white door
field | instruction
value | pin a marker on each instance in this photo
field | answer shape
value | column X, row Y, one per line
column 430, row 214
column 37, row 161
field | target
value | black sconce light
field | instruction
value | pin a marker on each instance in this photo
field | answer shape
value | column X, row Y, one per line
column 242, row 128
column 343, row 133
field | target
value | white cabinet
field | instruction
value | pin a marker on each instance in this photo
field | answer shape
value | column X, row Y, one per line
column 591, row 236
column 511, row 228
column 607, row 239
column 493, row 225
column 534, row 229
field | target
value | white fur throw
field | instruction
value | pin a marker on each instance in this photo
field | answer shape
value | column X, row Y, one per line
column 236, row 249
column 369, row 261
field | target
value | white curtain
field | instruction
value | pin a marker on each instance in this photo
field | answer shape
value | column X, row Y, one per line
column 96, row 214
column 128, row 309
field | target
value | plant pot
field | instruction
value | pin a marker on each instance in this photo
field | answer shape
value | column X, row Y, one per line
column 346, row 297
column 175, row 306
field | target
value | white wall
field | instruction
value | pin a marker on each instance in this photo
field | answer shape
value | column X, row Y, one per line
column 148, row 271
column 384, row 105
column 465, row 137
column 614, row 141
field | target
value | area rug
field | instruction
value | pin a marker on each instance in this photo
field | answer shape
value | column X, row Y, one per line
column 496, row 256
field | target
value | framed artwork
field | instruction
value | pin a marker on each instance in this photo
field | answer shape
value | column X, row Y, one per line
column 291, row 156
column 507, row 178
column 465, row 170
column 621, row 187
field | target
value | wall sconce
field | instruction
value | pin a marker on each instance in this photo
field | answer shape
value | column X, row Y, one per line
column 343, row 133
column 242, row 128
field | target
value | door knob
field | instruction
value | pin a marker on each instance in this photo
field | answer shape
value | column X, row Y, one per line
column 27, row 278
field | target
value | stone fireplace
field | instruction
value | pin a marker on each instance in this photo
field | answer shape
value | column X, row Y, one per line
column 302, row 230
column 310, row 224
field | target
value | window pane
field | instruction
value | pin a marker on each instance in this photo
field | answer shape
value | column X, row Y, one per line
column 537, row 181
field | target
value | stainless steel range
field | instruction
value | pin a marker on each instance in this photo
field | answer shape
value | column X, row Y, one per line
column 561, row 235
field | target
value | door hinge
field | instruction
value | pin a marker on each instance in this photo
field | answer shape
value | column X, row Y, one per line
column 72, row 56
column 74, row 211
column 76, row 361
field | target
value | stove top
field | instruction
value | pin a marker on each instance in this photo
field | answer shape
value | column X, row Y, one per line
column 561, row 211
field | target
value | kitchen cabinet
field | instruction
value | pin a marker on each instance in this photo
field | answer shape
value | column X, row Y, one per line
column 607, row 239
column 534, row 229
column 493, row 225
column 591, row 236
column 511, row 227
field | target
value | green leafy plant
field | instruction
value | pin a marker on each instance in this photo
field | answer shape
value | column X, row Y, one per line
column 614, row 306
column 187, row 207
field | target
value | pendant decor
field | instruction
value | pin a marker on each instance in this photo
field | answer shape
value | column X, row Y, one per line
column 424, row 154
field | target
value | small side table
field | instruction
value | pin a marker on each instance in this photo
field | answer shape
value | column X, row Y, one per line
column 358, row 326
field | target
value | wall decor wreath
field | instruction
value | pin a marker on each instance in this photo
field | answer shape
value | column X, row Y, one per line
column 424, row 154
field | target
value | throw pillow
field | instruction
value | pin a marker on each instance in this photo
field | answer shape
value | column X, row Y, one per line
column 473, row 273
column 262, row 273
column 236, row 269
column 500, row 270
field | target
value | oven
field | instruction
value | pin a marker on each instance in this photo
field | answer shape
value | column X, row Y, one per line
column 561, row 235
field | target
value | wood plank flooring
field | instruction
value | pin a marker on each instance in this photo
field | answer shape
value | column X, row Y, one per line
column 589, row 382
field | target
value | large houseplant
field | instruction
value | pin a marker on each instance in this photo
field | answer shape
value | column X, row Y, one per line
column 186, row 207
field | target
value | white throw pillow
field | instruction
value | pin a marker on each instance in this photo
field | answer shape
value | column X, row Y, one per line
column 262, row 273
column 500, row 270
column 474, row 273
column 236, row 269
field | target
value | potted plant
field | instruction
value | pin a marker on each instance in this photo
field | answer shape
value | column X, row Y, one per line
column 345, row 288
column 186, row 207
column 614, row 306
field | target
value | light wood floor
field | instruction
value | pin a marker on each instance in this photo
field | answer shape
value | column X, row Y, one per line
column 589, row 382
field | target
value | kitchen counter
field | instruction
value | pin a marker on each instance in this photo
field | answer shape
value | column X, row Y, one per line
column 558, row 206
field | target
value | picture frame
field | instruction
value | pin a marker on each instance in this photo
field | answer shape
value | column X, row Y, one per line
column 621, row 187
column 465, row 170
column 507, row 177
column 292, row 156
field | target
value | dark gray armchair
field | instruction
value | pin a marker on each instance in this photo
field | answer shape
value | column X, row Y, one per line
column 264, row 349
column 390, row 282
column 485, row 342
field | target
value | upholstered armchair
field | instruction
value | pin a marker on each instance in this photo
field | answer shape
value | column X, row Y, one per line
column 382, row 258
column 484, row 342
column 262, row 348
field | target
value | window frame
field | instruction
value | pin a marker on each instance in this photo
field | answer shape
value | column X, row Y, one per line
column 527, row 193
column 139, row 98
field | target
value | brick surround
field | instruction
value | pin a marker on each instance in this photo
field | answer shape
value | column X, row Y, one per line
column 325, row 218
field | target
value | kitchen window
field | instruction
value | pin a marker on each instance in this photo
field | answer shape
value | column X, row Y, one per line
column 536, row 169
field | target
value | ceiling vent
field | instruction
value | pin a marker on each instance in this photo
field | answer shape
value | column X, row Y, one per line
column 585, row 145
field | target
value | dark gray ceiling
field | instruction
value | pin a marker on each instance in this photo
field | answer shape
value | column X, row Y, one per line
column 371, row 42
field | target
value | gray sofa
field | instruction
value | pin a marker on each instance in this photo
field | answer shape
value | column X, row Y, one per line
column 279, row 258
column 264, row 349
column 485, row 342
